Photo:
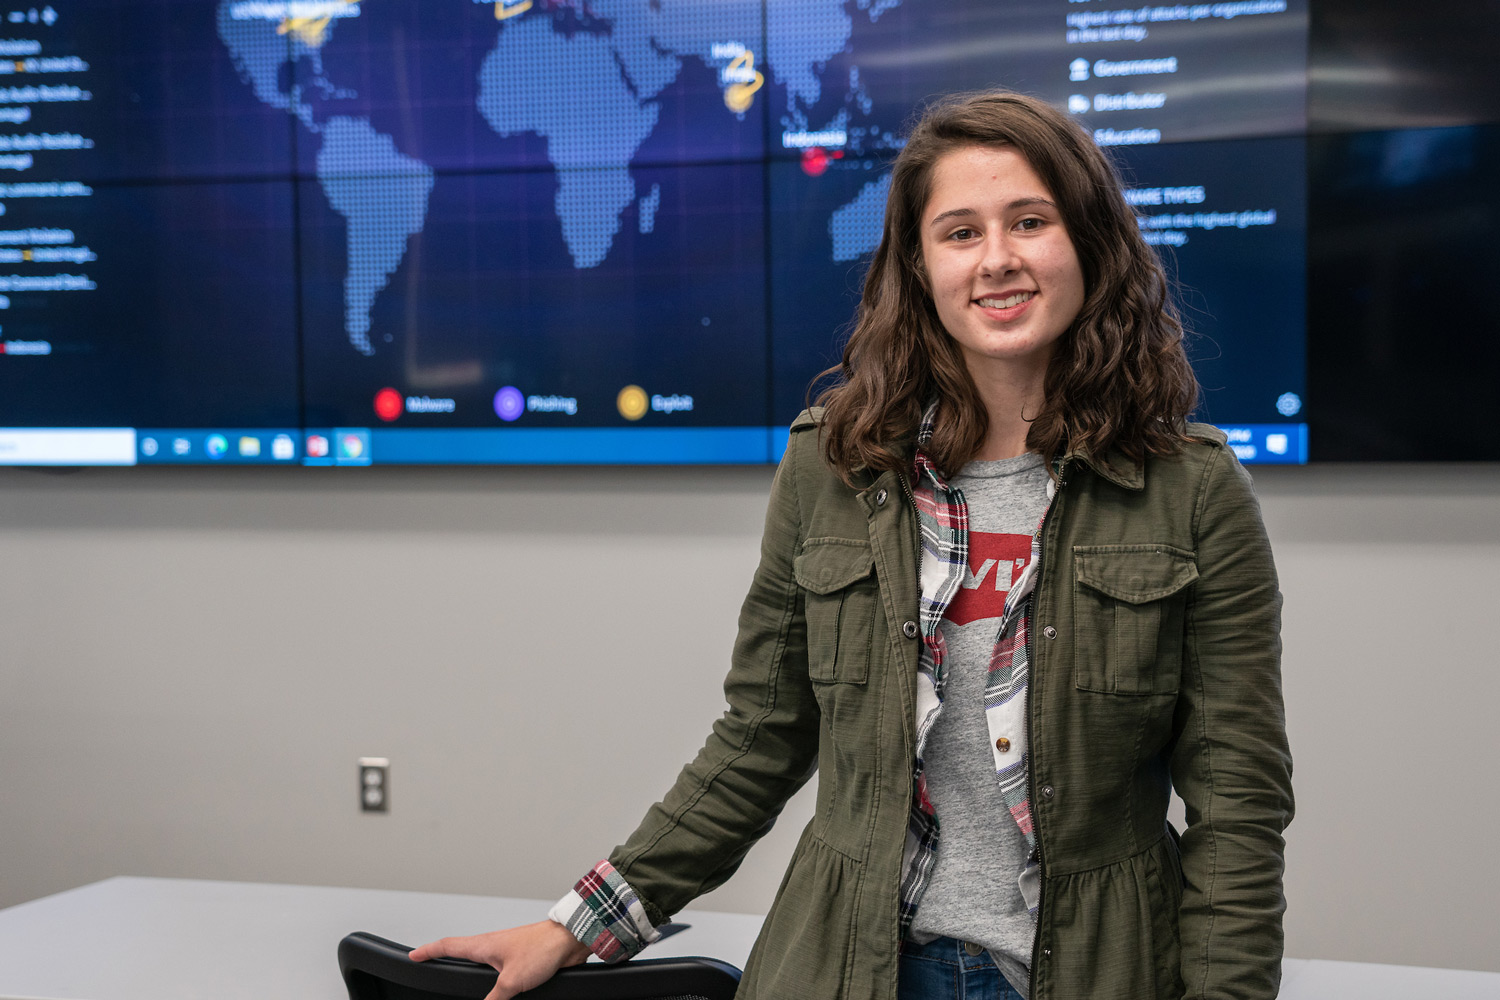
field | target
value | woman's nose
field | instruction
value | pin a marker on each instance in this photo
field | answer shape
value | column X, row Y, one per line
column 1000, row 256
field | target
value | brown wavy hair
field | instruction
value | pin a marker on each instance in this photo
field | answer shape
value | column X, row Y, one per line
column 1119, row 379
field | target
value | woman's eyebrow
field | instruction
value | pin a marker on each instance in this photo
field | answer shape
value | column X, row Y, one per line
column 954, row 213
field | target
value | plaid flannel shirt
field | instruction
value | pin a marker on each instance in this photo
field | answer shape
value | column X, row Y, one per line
column 604, row 912
column 944, row 518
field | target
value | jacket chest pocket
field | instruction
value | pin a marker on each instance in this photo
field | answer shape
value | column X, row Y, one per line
column 1129, row 605
column 841, row 595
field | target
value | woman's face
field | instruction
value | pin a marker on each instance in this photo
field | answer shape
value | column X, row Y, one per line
column 1004, row 276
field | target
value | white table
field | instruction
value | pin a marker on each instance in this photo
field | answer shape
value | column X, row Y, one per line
column 183, row 939
column 1319, row 979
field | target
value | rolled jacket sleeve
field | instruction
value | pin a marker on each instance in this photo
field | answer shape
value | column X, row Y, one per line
column 759, row 753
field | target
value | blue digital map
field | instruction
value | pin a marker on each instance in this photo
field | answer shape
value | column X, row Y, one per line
column 591, row 95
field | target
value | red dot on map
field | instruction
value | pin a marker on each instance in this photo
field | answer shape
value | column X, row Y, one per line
column 814, row 161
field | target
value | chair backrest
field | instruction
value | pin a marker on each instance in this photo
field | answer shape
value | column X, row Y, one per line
column 377, row 969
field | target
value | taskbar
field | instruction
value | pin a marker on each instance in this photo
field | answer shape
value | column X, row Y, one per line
column 1267, row 444
column 1253, row 444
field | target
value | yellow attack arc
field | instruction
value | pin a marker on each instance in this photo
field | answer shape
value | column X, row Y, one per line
column 739, row 96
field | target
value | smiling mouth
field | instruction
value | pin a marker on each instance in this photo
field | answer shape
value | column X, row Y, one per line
column 1007, row 302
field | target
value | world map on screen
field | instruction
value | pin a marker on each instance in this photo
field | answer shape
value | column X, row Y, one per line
column 586, row 77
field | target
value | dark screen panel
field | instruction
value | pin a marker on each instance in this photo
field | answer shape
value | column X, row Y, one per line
column 1402, row 104
column 1234, row 244
column 147, row 90
column 553, row 86
column 180, row 312
column 487, row 296
column 1389, row 64
column 1402, row 259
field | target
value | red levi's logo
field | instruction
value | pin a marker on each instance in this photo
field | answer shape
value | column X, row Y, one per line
column 995, row 563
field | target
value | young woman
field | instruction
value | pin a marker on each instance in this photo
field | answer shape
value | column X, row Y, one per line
column 1008, row 599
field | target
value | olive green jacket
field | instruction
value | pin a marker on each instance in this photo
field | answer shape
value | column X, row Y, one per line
column 1155, row 665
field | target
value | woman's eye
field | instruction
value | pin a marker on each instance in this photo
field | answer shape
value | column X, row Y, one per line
column 1029, row 225
column 962, row 234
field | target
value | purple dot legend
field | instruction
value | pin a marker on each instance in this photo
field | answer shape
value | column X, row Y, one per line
column 509, row 403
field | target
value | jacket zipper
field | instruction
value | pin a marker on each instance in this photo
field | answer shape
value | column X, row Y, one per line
column 917, row 514
column 912, row 500
column 906, row 488
column 1036, row 825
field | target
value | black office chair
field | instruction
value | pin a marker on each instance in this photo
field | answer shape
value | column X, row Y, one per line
column 377, row 969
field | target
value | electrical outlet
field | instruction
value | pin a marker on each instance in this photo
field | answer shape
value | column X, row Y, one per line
column 374, row 784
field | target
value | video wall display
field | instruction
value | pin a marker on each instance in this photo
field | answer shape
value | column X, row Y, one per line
column 553, row 231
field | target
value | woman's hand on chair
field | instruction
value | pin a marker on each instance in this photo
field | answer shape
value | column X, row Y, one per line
column 526, row 957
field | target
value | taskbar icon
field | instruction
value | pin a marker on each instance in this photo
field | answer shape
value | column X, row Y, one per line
column 197, row 446
column 336, row 446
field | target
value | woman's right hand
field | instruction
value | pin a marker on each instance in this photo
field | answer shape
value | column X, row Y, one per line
column 526, row 957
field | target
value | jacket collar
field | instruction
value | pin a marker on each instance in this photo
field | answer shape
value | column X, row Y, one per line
column 1114, row 466
column 1124, row 472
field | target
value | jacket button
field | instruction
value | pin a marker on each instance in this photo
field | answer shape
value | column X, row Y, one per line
column 1003, row 745
column 1050, row 632
column 1046, row 952
column 880, row 498
column 973, row 949
column 909, row 629
column 1047, row 791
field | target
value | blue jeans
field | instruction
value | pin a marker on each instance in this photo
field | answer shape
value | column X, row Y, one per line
column 944, row 970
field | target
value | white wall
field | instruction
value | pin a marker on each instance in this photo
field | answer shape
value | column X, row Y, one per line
column 191, row 661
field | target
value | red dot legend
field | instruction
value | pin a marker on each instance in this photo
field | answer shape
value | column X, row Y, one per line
column 388, row 404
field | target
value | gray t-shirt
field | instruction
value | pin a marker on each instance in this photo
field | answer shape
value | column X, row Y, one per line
column 973, row 894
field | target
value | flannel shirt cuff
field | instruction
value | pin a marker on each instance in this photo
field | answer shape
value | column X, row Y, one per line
column 604, row 913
